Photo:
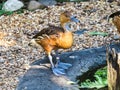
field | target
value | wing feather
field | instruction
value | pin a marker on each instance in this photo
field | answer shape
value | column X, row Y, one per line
column 51, row 30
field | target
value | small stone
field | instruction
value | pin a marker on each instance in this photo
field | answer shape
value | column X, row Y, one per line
column 12, row 5
column 1, row 83
column 116, row 37
column 48, row 2
column 26, row 66
column 33, row 5
column 2, row 60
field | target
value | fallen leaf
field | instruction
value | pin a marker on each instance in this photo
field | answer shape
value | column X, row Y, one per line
column 98, row 33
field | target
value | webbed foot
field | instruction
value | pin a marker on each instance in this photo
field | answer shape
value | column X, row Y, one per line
column 60, row 68
column 63, row 65
column 58, row 71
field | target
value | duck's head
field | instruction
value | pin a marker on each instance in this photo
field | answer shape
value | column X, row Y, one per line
column 66, row 17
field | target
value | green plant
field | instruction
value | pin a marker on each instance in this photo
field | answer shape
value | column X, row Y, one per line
column 99, row 82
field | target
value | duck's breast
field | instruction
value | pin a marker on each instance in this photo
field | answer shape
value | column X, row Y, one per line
column 65, row 40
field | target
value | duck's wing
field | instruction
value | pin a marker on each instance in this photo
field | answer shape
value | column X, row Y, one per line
column 51, row 30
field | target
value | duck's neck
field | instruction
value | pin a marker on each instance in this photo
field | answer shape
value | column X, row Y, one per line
column 66, row 26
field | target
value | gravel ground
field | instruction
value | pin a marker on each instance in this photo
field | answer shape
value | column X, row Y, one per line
column 17, row 30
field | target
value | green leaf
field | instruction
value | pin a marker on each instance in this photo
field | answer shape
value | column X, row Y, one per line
column 99, row 82
column 2, row 12
column 1, row 5
column 20, row 11
column 8, row 12
column 98, row 33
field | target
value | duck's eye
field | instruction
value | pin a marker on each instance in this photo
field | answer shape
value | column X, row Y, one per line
column 74, row 16
column 57, row 35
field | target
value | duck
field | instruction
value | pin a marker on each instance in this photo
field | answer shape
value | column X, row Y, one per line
column 115, row 19
column 54, row 38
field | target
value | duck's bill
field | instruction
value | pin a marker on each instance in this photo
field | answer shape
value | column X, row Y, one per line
column 74, row 19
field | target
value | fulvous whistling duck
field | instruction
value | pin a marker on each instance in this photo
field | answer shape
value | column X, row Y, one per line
column 116, row 20
column 54, row 38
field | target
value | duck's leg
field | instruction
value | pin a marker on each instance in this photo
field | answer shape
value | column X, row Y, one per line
column 57, row 71
column 61, row 64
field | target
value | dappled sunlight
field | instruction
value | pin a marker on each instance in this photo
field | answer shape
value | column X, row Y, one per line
column 4, row 42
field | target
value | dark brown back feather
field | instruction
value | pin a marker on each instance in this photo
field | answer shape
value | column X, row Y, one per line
column 114, row 14
column 51, row 30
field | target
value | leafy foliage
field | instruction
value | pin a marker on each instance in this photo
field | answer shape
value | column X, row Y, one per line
column 99, row 82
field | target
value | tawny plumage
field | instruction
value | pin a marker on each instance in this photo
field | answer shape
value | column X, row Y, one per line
column 116, row 20
column 54, row 38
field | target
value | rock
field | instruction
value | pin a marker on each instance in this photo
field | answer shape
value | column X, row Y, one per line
column 33, row 5
column 12, row 5
column 48, row 2
column 40, row 77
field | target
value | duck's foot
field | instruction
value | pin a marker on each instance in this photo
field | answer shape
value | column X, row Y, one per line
column 63, row 65
column 60, row 68
column 58, row 71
